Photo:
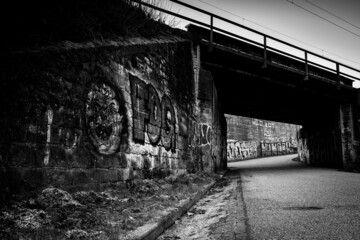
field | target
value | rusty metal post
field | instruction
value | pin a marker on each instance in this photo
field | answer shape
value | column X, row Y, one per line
column 211, row 32
column 306, row 67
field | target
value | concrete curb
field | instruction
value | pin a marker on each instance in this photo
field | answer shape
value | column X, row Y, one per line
column 157, row 229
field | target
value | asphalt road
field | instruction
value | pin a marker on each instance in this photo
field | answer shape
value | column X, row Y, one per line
column 284, row 199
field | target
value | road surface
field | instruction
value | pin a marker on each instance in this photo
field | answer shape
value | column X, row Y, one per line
column 277, row 198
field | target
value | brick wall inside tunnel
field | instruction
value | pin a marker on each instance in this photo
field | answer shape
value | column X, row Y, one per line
column 252, row 138
column 87, row 116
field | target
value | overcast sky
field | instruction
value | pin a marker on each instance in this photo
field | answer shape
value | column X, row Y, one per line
column 284, row 18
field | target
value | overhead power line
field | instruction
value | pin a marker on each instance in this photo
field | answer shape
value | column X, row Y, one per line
column 308, row 44
column 332, row 14
column 325, row 19
column 273, row 30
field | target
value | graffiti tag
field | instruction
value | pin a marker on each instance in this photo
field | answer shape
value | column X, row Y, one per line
column 152, row 115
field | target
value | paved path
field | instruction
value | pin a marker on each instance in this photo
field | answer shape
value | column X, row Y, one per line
column 288, row 200
column 275, row 198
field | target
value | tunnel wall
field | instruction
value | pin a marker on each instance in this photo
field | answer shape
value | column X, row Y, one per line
column 334, row 142
column 253, row 138
column 320, row 147
column 90, row 115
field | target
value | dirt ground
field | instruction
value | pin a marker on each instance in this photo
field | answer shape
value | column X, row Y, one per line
column 111, row 214
column 201, row 220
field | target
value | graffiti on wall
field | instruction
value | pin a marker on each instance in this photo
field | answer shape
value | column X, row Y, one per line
column 242, row 149
column 262, row 123
column 151, row 115
column 277, row 148
column 239, row 150
column 200, row 134
column 303, row 151
column 200, row 137
column 156, row 121
column 103, row 118
column 55, row 131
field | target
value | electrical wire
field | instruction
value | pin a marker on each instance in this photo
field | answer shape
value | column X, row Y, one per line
column 273, row 30
column 308, row 44
column 342, row 19
column 325, row 19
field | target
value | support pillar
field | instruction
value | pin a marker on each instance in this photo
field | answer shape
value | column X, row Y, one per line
column 348, row 127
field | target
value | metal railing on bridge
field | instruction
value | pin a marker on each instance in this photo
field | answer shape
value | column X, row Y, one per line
column 306, row 54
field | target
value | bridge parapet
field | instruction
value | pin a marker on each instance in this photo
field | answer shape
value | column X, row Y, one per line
column 254, row 53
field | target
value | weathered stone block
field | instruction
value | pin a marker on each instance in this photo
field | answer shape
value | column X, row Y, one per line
column 174, row 163
column 57, row 156
column 36, row 133
column 57, row 135
column 58, row 177
column 157, row 161
column 137, row 162
column 104, row 161
column 66, row 118
column 106, row 175
column 147, row 162
column 124, row 174
column 32, row 178
column 181, row 143
column 138, row 135
column 138, row 174
column 19, row 133
column 153, row 129
column 123, row 162
column 22, row 155
column 81, row 176
column 103, row 175
column 25, row 154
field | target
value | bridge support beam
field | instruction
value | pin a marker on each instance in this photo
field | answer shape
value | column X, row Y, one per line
column 349, row 136
column 212, row 129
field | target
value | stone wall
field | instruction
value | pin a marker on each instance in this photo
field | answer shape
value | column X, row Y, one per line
column 252, row 138
column 88, row 115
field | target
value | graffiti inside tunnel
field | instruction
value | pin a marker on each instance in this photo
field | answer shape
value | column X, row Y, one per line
column 239, row 150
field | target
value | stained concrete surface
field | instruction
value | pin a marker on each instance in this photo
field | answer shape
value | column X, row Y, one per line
column 289, row 200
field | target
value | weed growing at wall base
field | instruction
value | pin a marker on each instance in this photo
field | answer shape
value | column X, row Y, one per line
column 111, row 214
